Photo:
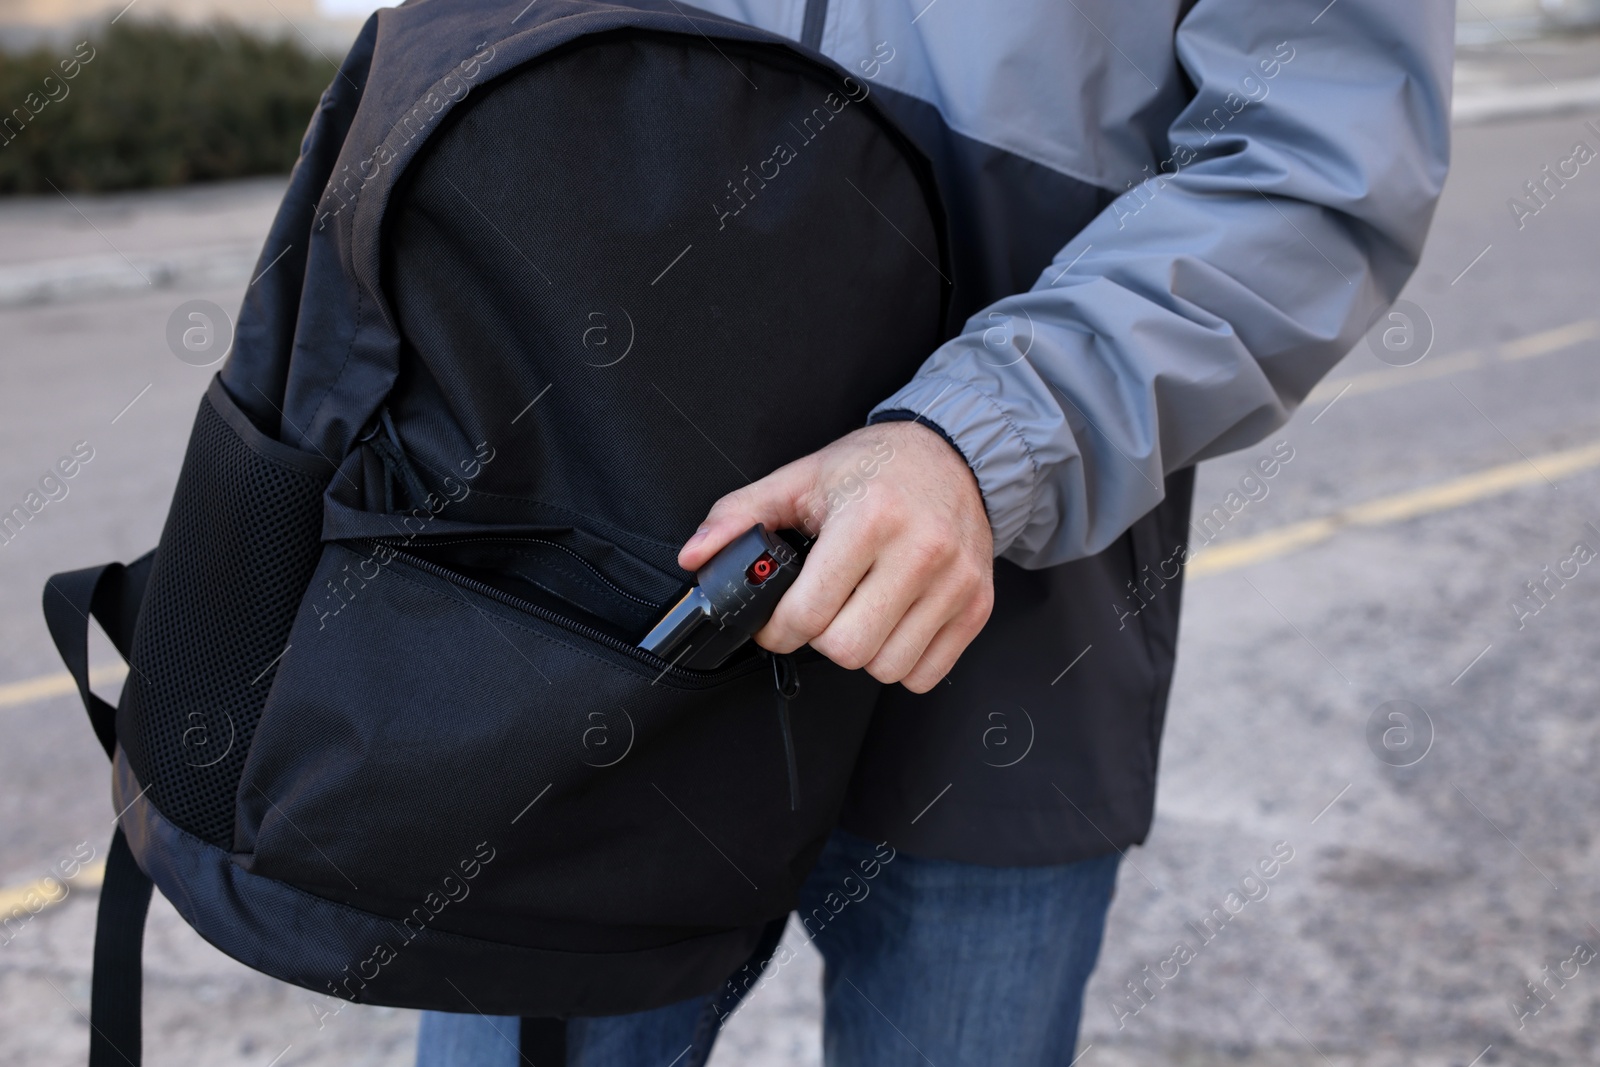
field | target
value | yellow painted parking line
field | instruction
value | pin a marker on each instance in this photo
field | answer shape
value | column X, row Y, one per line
column 1379, row 380
column 31, row 898
column 54, row 685
column 1394, row 508
column 1539, row 344
column 1551, row 340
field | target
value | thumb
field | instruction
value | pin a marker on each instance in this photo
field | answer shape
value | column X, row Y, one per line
column 777, row 501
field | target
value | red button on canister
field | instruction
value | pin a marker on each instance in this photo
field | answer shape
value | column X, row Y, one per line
column 761, row 569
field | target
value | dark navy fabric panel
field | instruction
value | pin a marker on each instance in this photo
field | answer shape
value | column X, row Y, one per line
column 1008, row 216
column 257, row 369
column 334, row 949
column 417, row 718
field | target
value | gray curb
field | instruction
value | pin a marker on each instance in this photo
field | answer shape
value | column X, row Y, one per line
column 90, row 277
column 1525, row 101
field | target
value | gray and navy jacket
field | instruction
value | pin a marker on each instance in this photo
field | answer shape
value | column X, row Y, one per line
column 1169, row 220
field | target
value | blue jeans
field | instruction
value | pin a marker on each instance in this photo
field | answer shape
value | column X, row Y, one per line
column 925, row 961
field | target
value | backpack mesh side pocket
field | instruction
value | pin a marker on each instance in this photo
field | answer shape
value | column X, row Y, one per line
column 240, row 544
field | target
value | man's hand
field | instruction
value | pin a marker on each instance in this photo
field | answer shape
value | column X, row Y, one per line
column 901, row 577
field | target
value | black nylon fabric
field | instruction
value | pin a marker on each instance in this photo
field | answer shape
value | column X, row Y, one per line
column 257, row 370
column 112, row 594
column 334, row 949
column 1043, row 746
column 69, row 601
column 1008, row 216
column 626, row 807
column 689, row 313
column 426, row 59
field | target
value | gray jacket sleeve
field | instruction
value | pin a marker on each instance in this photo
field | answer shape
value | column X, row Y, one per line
column 1193, row 315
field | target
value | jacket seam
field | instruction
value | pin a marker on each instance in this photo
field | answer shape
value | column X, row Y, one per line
column 1102, row 183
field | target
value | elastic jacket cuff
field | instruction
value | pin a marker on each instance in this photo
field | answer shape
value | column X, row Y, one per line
column 987, row 439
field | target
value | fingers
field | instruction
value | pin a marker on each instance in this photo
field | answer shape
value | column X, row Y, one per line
column 878, row 605
column 834, row 567
column 773, row 501
column 922, row 647
column 912, row 590
column 942, row 653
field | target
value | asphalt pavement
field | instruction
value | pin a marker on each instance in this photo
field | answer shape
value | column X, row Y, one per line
column 1437, row 861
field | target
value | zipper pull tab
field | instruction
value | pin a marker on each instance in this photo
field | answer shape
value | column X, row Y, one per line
column 786, row 680
column 397, row 466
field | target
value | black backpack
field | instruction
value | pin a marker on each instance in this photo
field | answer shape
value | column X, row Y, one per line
column 547, row 281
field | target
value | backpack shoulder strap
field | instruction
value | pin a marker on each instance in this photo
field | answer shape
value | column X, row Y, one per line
column 116, row 993
column 111, row 593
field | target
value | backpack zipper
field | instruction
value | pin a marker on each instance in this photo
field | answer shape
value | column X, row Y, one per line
column 538, row 611
column 598, row 573
column 397, row 465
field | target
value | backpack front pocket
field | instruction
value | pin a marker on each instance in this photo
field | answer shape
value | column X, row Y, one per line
column 422, row 720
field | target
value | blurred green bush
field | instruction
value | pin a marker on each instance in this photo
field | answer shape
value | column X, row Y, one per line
column 152, row 103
